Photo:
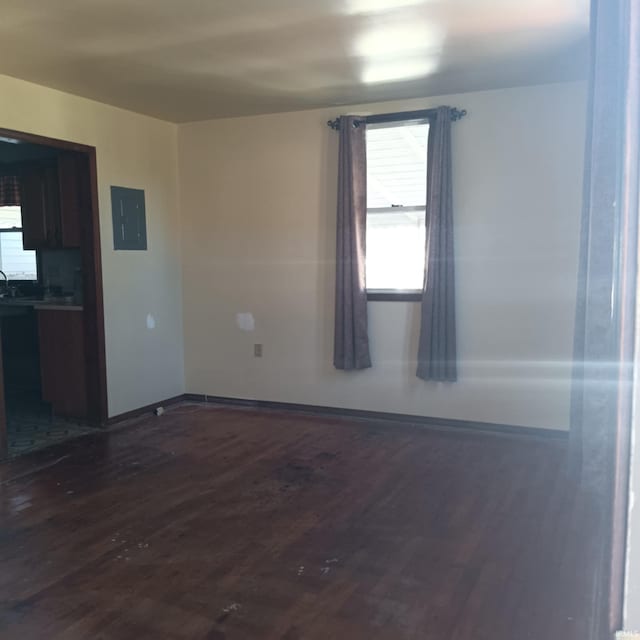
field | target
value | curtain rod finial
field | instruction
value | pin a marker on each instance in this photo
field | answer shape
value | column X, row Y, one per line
column 334, row 124
column 458, row 114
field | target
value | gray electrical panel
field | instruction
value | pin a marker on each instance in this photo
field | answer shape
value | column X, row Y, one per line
column 129, row 220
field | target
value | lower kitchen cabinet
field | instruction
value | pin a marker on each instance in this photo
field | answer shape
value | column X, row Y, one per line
column 62, row 361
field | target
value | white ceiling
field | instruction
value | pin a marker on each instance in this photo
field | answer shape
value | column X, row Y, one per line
column 184, row 60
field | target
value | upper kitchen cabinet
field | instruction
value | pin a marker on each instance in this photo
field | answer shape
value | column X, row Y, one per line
column 70, row 181
column 51, row 203
column 40, row 205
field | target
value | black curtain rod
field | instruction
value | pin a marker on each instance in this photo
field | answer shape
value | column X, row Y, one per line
column 423, row 114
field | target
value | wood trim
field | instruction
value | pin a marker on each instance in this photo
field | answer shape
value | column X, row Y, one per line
column 4, row 439
column 92, row 266
column 94, row 312
column 394, row 296
column 44, row 140
column 403, row 418
column 149, row 408
column 627, row 301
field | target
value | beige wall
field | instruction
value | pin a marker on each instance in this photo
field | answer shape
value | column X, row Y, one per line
column 143, row 365
column 258, row 214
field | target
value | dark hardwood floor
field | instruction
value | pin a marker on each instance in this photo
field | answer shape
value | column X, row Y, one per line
column 222, row 523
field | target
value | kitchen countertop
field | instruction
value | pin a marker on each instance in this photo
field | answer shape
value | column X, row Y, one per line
column 54, row 304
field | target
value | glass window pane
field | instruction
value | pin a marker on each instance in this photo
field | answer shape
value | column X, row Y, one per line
column 397, row 165
column 10, row 217
column 395, row 250
column 17, row 263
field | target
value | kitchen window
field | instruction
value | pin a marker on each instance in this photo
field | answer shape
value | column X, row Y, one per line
column 15, row 262
column 396, row 198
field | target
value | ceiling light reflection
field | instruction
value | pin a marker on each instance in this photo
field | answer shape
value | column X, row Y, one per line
column 395, row 40
column 378, row 6
column 396, row 71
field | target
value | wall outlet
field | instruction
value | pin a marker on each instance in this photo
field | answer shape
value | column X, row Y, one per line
column 257, row 350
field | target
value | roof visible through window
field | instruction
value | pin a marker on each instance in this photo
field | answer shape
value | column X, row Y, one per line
column 397, row 165
column 10, row 217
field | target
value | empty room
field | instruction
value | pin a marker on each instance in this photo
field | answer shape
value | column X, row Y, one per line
column 318, row 320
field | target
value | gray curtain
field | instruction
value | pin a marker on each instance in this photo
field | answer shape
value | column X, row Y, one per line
column 351, row 339
column 604, row 328
column 437, row 346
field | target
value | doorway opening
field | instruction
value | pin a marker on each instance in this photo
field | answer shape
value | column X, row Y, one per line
column 52, row 355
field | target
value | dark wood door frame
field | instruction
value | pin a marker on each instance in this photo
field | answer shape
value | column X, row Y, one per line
column 92, row 280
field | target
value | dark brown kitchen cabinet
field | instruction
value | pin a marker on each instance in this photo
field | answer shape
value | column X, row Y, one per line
column 62, row 361
column 69, row 180
column 40, row 206
column 51, row 210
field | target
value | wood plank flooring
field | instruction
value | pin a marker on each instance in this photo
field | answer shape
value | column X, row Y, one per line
column 213, row 523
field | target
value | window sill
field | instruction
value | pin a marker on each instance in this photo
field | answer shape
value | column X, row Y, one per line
column 394, row 295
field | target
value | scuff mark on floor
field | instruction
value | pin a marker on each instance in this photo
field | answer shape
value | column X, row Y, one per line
column 227, row 611
column 295, row 474
column 35, row 470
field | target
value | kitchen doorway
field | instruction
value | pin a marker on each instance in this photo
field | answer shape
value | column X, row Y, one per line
column 52, row 361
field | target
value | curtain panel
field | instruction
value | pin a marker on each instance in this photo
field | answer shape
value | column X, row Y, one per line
column 351, row 338
column 437, row 343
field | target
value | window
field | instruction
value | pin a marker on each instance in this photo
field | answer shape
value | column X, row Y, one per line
column 17, row 263
column 396, row 198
